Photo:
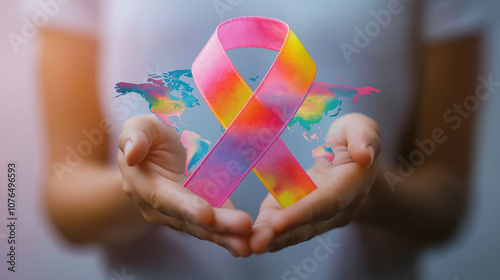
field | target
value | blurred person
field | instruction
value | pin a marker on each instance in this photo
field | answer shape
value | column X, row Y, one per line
column 391, row 218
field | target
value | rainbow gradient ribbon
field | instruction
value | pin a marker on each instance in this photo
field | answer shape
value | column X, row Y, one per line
column 253, row 121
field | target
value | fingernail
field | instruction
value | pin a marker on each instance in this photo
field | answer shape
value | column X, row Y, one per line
column 269, row 248
column 128, row 146
column 232, row 251
column 372, row 152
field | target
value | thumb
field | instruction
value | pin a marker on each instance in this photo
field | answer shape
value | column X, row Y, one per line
column 361, row 136
column 136, row 139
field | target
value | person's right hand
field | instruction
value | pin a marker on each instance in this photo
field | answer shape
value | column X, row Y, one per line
column 152, row 161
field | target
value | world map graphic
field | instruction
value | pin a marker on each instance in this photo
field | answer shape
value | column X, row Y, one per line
column 170, row 94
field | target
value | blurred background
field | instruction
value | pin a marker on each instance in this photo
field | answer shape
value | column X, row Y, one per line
column 474, row 253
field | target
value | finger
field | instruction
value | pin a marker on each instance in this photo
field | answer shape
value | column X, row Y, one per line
column 335, row 194
column 310, row 230
column 136, row 139
column 171, row 199
column 262, row 231
column 261, row 238
column 267, row 208
column 236, row 245
column 238, row 223
column 360, row 134
column 307, row 232
column 293, row 237
column 142, row 134
column 232, row 221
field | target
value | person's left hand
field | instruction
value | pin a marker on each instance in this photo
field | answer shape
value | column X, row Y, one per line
column 342, row 188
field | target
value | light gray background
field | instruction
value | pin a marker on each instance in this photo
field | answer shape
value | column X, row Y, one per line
column 473, row 254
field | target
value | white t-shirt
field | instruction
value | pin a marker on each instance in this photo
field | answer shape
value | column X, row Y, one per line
column 362, row 43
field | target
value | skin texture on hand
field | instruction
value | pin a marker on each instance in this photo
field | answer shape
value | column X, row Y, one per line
column 342, row 188
column 152, row 160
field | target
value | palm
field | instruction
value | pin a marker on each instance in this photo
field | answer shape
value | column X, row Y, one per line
column 152, row 169
column 341, row 187
column 166, row 159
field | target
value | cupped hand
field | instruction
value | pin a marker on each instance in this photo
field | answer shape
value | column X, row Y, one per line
column 152, row 161
column 342, row 188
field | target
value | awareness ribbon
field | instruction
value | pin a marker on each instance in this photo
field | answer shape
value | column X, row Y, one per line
column 253, row 121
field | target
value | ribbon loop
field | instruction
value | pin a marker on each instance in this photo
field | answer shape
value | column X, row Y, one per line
column 253, row 121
